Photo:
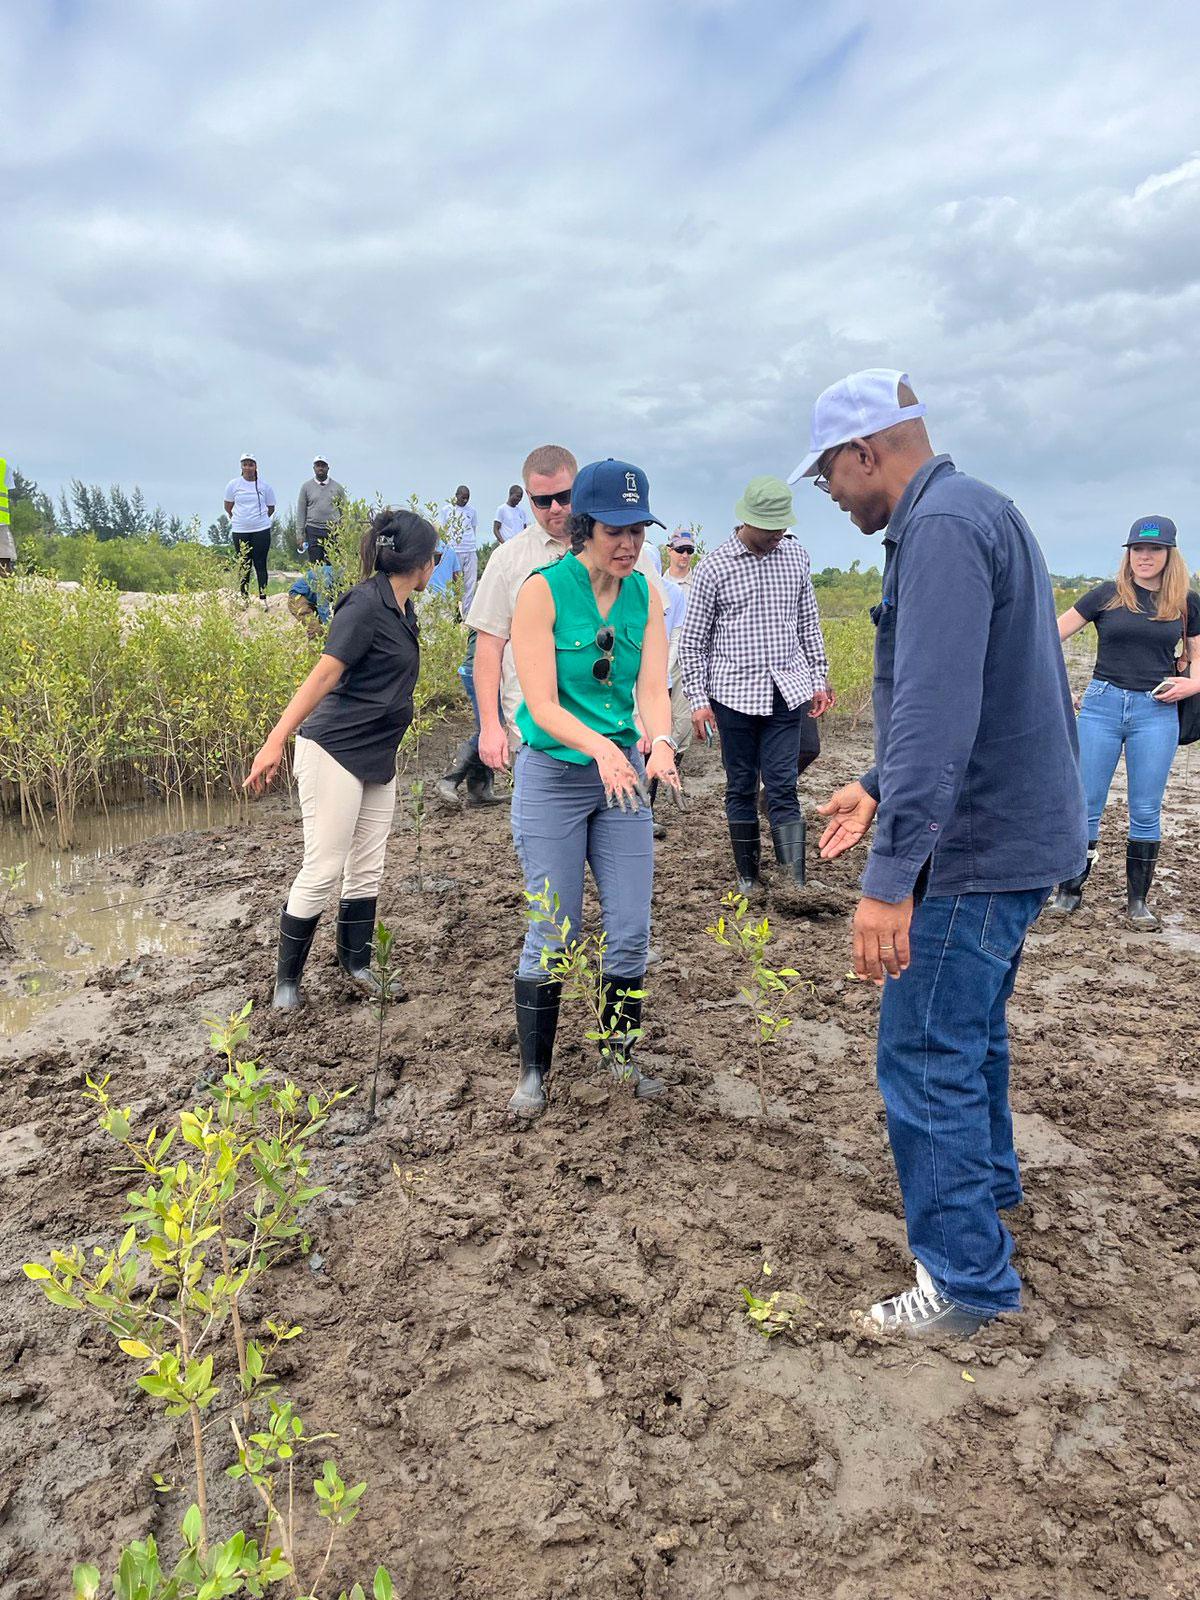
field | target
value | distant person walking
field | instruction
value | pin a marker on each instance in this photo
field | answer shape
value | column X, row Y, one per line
column 8, row 548
column 349, row 716
column 752, row 660
column 460, row 526
column 318, row 509
column 511, row 518
column 250, row 505
column 591, row 653
column 1144, row 618
column 978, row 811
column 681, row 547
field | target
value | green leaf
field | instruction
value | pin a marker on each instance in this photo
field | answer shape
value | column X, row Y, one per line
column 86, row 1581
column 383, row 1584
column 135, row 1348
column 40, row 1274
column 190, row 1526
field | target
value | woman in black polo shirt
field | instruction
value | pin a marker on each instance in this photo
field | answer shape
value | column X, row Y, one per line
column 350, row 715
column 1143, row 617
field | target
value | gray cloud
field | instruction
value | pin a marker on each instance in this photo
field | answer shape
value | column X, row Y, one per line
column 423, row 238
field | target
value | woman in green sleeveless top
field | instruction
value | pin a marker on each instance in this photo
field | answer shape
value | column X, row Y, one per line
column 591, row 655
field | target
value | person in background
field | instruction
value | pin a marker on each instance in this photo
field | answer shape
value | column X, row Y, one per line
column 8, row 547
column 1144, row 618
column 250, row 505
column 349, row 716
column 308, row 599
column 460, row 526
column 447, row 567
column 978, row 811
column 549, row 471
column 466, row 766
column 752, row 660
column 674, row 613
column 512, row 517
column 681, row 547
column 318, row 507
column 591, row 654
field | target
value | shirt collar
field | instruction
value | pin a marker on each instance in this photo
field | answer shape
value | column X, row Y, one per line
column 914, row 489
column 386, row 592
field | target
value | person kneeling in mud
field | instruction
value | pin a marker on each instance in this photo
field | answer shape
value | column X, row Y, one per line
column 589, row 647
column 349, row 716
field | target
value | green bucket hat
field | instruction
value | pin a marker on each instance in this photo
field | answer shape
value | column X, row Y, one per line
column 767, row 503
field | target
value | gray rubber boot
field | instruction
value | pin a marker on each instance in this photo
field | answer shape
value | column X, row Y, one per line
column 622, row 1013
column 789, row 839
column 1068, row 897
column 460, row 766
column 537, row 1002
column 295, row 941
column 747, row 854
column 1141, row 856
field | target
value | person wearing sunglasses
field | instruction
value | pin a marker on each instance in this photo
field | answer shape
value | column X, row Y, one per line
column 978, row 809
column 548, row 474
column 681, row 547
column 590, row 645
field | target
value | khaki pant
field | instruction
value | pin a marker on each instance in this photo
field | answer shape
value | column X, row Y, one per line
column 346, row 827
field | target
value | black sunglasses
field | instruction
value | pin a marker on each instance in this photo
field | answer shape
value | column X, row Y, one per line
column 543, row 501
column 606, row 638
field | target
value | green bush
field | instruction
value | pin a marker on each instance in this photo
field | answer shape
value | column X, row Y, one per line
column 146, row 564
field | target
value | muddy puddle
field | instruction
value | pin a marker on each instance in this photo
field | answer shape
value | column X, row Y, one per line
column 68, row 915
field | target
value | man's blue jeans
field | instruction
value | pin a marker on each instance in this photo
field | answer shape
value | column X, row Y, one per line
column 943, row 1072
column 1109, row 718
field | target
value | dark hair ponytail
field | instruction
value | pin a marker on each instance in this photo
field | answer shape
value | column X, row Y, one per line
column 397, row 544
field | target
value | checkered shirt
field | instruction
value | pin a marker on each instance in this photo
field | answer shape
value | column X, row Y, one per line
column 751, row 626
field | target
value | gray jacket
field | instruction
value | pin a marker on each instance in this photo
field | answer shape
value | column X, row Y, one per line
column 316, row 506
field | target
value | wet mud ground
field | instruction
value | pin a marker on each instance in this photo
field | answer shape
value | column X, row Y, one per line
column 534, row 1346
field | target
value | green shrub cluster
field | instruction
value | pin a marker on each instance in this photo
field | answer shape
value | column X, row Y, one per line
column 147, row 564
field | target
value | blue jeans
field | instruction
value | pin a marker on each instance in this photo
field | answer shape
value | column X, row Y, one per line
column 561, row 823
column 767, row 746
column 942, row 1066
column 1110, row 718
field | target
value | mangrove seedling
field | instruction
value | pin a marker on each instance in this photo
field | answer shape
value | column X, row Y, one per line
column 578, row 964
column 765, row 988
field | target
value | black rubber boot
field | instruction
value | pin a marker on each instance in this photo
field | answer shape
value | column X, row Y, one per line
column 480, row 780
column 622, row 1013
column 1068, row 897
column 295, row 941
column 537, row 1002
column 1140, row 858
column 460, row 766
column 788, row 839
column 355, row 933
column 747, row 853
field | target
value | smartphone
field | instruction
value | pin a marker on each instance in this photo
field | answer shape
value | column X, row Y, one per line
column 1167, row 683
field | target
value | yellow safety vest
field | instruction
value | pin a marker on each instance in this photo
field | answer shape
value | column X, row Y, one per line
column 4, row 517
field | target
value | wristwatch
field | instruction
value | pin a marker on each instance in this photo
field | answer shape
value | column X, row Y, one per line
column 665, row 738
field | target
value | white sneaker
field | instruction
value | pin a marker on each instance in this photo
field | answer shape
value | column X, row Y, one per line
column 925, row 1310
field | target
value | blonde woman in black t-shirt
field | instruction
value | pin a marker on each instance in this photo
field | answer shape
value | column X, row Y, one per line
column 1144, row 618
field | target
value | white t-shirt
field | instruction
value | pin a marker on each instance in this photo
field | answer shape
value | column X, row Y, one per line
column 459, row 524
column 252, row 503
column 512, row 519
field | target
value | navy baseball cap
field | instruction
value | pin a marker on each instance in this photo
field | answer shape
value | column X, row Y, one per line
column 1152, row 530
column 613, row 492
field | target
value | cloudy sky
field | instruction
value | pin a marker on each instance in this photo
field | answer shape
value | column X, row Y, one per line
column 421, row 238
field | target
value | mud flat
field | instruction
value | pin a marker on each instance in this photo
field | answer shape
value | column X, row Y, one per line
column 535, row 1349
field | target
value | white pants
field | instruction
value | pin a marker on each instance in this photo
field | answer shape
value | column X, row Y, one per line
column 346, row 827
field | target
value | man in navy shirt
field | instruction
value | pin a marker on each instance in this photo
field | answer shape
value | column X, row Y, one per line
column 978, row 808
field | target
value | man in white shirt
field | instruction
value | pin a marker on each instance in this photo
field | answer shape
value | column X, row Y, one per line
column 459, row 526
column 250, row 505
column 681, row 547
column 512, row 517
column 549, row 472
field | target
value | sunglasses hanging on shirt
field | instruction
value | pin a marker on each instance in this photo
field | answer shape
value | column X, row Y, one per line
column 606, row 638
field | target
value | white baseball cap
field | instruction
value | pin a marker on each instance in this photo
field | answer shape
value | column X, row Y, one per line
column 856, row 407
column 248, row 455
column 322, row 461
